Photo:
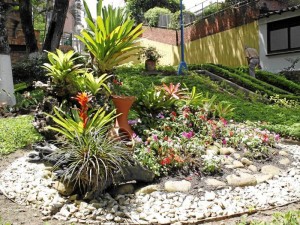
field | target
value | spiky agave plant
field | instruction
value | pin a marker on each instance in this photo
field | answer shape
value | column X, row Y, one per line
column 93, row 161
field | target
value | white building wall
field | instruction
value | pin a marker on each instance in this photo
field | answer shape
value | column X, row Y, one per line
column 275, row 62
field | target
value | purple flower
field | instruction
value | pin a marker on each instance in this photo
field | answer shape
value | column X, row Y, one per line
column 137, row 138
column 160, row 116
column 132, row 122
column 224, row 142
column 277, row 137
column 155, row 138
column 188, row 135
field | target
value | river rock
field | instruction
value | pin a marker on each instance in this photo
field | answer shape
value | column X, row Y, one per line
column 226, row 151
column 237, row 164
column 252, row 168
column 242, row 180
column 63, row 188
column 148, row 189
column 246, row 161
column 284, row 161
column 260, row 178
column 181, row 186
column 214, row 182
column 269, row 169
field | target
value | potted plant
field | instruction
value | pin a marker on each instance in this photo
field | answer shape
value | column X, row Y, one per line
column 151, row 56
column 122, row 103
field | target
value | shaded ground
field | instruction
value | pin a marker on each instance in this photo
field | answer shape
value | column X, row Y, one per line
column 17, row 214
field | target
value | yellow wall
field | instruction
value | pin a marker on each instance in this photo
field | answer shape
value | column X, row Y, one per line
column 225, row 48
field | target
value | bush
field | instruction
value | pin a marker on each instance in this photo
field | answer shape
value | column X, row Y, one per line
column 175, row 18
column 152, row 15
column 211, row 9
column 30, row 70
column 278, row 81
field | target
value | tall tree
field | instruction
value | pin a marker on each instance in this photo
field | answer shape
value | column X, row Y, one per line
column 4, row 46
column 27, row 25
column 56, row 25
column 137, row 8
column 6, row 80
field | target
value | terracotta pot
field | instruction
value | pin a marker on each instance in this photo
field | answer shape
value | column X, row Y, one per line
column 123, row 105
column 150, row 65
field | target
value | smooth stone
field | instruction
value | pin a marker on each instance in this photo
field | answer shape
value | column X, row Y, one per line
column 260, row 178
column 236, row 155
column 209, row 196
column 237, row 164
column 123, row 189
column 73, row 197
column 227, row 160
column 63, row 188
column 148, row 189
column 214, row 182
column 180, row 186
column 284, row 161
column 242, row 180
column 252, row 168
column 269, row 169
column 229, row 166
column 283, row 153
column 246, row 161
column 226, row 151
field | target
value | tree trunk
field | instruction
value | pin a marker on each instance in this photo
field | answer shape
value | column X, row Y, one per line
column 6, row 81
column 4, row 46
column 27, row 25
column 56, row 25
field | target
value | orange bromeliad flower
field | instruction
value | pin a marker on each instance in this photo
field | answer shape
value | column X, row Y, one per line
column 83, row 99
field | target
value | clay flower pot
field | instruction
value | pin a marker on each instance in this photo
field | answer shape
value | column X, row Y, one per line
column 123, row 105
column 150, row 65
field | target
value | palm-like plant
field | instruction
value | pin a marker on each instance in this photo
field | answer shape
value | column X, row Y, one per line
column 62, row 67
column 64, row 72
column 111, row 38
column 95, row 84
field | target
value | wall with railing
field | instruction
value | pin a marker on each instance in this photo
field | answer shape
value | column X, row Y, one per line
column 219, row 38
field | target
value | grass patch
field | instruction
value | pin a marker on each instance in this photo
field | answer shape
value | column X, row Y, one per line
column 17, row 132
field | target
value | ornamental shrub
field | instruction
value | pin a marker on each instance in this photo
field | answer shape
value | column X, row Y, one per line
column 152, row 15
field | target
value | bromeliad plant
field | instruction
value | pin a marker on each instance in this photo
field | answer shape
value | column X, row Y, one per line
column 81, row 121
column 64, row 72
column 89, row 155
column 111, row 38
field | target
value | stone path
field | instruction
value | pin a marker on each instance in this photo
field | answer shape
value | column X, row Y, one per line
column 31, row 184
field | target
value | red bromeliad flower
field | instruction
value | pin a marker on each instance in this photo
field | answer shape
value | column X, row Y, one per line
column 83, row 99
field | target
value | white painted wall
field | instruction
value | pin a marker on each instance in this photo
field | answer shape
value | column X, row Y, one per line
column 6, row 81
column 274, row 63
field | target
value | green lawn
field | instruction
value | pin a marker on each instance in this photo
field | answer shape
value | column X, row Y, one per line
column 17, row 132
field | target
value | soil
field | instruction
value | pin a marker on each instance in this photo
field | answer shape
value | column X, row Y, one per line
column 18, row 214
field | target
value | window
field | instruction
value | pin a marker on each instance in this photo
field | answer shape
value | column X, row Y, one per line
column 284, row 35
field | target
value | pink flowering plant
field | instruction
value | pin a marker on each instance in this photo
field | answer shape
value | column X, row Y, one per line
column 182, row 136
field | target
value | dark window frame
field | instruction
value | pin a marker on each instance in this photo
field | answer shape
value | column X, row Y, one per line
column 281, row 24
